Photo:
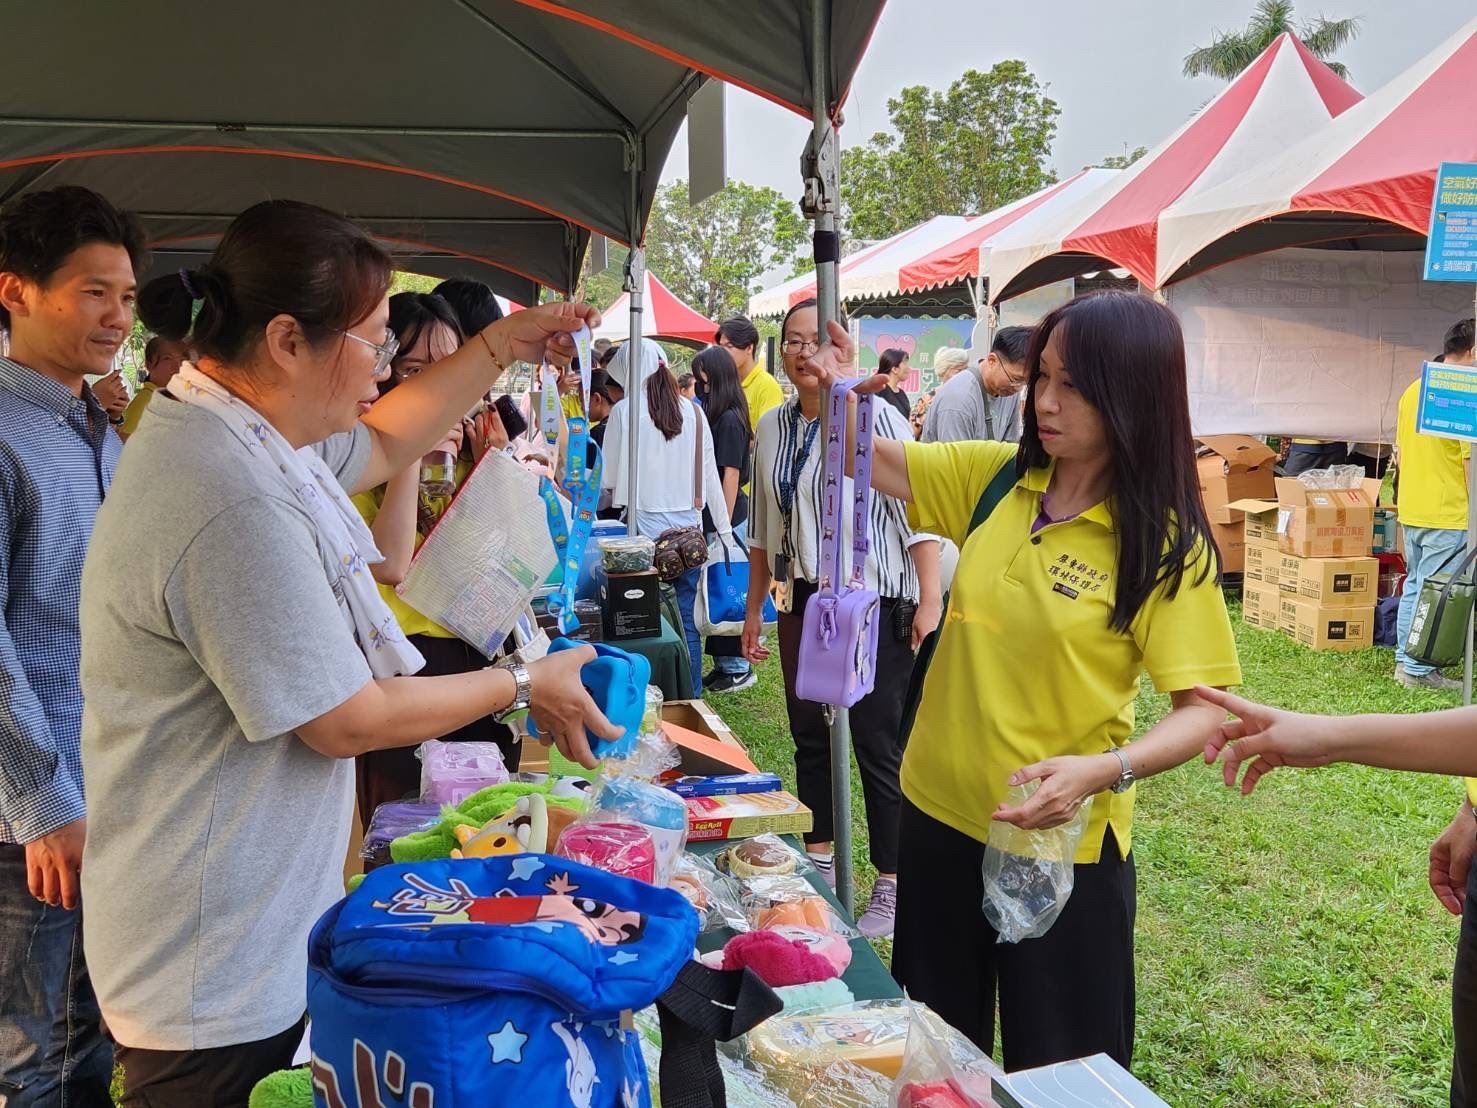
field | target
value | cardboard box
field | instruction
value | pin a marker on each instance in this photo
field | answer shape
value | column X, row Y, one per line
column 1332, row 582
column 744, row 815
column 1321, row 628
column 1261, row 563
column 1288, row 568
column 1260, row 524
column 633, row 605
column 1325, row 523
column 1233, row 467
column 1287, row 614
column 1230, row 542
column 1259, row 604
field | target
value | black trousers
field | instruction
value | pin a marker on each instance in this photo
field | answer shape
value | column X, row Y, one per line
column 385, row 775
column 1464, row 1004
column 1065, row 995
column 222, row 1077
column 876, row 723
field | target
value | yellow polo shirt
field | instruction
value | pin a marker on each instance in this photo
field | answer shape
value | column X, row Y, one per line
column 762, row 392
column 573, row 406
column 1027, row 667
column 135, row 410
column 411, row 621
column 1433, row 476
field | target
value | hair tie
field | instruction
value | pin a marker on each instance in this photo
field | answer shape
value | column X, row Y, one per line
column 186, row 280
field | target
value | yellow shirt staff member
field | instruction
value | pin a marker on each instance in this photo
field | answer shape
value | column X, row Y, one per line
column 1095, row 566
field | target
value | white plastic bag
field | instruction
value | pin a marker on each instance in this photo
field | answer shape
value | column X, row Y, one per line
column 1028, row 874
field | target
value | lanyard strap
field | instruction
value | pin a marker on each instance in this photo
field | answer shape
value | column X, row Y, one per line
column 790, row 476
column 835, row 481
column 570, row 543
column 549, row 409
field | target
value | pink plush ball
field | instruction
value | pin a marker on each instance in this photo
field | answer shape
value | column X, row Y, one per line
column 776, row 959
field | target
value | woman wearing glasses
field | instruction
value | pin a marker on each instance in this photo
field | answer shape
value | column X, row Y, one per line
column 237, row 655
column 400, row 514
column 785, row 534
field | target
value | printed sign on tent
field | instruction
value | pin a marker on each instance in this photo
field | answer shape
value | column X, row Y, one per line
column 1451, row 241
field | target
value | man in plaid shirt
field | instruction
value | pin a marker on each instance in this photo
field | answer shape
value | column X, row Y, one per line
column 67, row 286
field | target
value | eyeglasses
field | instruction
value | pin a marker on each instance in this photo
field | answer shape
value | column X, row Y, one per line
column 799, row 346
column 386, row 350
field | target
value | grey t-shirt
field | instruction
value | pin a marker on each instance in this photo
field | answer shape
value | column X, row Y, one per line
column 957, row 413
column 215, row 837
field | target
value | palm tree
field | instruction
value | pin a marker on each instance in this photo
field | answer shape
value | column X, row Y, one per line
column 1233, row 51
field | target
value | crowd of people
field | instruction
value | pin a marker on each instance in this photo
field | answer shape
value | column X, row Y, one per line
column 203, row 627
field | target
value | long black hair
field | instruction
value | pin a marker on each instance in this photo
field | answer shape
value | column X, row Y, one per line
column 890, row 359
column 1126, row 356
column 724, row 393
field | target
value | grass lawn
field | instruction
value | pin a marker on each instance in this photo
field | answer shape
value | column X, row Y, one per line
column 1290, row 952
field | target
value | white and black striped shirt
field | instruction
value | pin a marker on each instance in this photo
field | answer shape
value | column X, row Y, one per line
column 778, row 439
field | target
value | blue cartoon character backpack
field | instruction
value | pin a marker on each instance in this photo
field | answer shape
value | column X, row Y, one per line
column 490, row 981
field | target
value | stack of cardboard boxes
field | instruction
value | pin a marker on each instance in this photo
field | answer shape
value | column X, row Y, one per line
column 1232, row 468
column 1309, row 570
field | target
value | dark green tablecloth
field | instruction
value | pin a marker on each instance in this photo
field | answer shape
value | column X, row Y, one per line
column 867, row 977
column 667, row 653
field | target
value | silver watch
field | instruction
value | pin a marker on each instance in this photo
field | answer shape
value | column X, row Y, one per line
column 522, row 693
column 1125, row 775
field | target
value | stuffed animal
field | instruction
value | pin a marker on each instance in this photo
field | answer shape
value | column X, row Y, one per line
column 283, row 1089
column 523, row 830
column 476, row 811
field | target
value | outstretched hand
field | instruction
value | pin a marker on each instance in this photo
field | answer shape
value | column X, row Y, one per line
column 1263, row 739
column 543, row 332
column 833, row 361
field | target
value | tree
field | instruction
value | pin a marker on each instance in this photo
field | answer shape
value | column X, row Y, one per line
column 711, row 255
column 1233, row 51
column 1124, row 160
column 979, row 144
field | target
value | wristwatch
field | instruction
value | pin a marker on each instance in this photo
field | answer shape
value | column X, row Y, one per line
column 1125, row 775
column 522, row 693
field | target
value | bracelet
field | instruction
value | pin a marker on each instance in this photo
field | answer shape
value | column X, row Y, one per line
column 495, row 359
column 119, row 422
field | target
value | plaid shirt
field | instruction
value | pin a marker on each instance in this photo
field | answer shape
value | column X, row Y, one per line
column 57, row 456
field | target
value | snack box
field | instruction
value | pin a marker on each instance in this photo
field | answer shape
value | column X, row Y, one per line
column 744, row 815
column 791, row 1048
column 1096, row 1082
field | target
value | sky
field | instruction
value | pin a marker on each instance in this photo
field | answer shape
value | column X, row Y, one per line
column 1114, row 69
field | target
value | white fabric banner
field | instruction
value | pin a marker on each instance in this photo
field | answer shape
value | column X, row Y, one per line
column 1316, row 343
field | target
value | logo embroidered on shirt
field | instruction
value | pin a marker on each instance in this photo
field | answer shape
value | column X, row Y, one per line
column 1069, row 593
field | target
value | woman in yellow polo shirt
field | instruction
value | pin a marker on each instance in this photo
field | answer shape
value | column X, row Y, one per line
column 1094, row 566
column 400, row 514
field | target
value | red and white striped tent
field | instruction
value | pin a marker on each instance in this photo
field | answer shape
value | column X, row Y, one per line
column 939, row 251
column 663, row 317
column 1364, row 180
column 1283, row 96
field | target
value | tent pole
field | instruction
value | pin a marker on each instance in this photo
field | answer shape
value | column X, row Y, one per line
column 636, row 287
column 820, row 203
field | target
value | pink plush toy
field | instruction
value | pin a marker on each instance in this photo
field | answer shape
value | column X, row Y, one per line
column 779, row 959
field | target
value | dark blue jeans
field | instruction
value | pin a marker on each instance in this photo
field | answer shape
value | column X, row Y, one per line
column 52, row 1049
column 686, row 589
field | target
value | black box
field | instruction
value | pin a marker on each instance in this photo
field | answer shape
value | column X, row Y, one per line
column 633, row 605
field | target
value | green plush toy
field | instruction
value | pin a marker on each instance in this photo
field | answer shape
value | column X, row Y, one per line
column 477, row 809
column 283, row 1089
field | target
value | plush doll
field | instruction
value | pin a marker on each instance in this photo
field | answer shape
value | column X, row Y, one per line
column 524, row 829
column 478, row 810
column 283, row 1089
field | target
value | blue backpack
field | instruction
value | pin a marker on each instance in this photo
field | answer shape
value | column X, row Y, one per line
column 490, row 981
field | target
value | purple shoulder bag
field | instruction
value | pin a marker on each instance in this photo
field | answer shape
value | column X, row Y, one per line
column 838, row 646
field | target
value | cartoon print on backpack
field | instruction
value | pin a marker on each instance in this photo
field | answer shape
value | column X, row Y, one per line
column 600, row 923
column 371, row 1087
column 579, row 1071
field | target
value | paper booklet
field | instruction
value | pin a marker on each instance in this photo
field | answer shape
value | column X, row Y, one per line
column 487, row 555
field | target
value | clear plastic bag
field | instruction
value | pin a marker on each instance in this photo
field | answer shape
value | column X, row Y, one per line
column 1028, row 874
column 391, row 820
column 625, row 849
column 626, row 553
column 831, row 1056
column 941, row 1068
column 765, row 855
column 451, row 772
column 790, row 900
column 619, row 798
column 716, row 896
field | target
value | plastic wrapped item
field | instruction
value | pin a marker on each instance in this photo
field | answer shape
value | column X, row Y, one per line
column 651, row 719
column 790, row 901
column 451, row 772
column 625, row 849
column 652, row 754
column 763, row 856
column 627, row 554
column 800, row 1051
column 625, row 799
column 716, row 896
column 1333, row 477
column 1028, row 874
column 391, row 820
column 941, row 1068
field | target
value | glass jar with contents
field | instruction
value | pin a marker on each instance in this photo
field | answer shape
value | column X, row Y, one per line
column 438, row 486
